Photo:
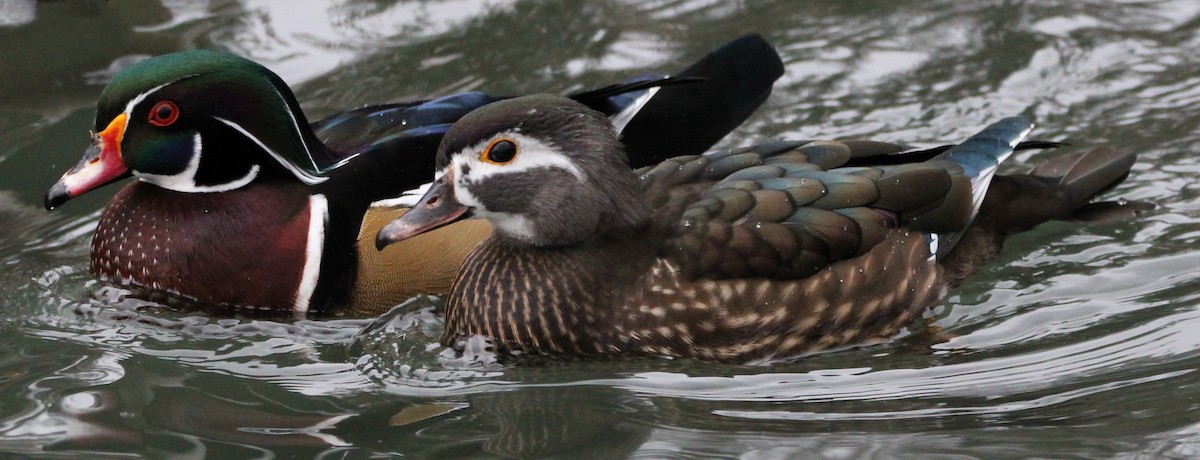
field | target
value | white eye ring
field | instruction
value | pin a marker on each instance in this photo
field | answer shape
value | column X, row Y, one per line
column 501, row 151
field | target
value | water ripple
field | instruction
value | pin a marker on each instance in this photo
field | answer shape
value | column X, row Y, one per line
column 1087, row 333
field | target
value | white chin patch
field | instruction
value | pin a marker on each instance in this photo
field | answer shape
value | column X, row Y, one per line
column 514, row 226
column 185, row 181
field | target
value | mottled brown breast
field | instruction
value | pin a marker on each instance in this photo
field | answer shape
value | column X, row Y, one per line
column 247, row 244
column 577, row 302
column 422, row 265
column 547, row 300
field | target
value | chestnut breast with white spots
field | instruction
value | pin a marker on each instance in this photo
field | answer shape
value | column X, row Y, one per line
column 245, row 247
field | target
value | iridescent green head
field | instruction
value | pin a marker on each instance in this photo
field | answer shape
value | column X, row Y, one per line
column 194, row 121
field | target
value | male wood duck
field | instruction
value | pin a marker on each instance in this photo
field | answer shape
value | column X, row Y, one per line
column 760, row 253
column 239, row 201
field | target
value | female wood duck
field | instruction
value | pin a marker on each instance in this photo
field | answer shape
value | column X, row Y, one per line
column 768, row 252
column 239, row 201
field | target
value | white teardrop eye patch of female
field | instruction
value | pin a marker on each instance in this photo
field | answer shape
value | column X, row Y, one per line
column 509, row 153
column 501, row 151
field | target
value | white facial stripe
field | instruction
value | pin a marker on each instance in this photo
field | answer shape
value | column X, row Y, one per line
column 531, row 154
column 622, row 119
column 318, row 217
column 296, row 127
column 411, row 197
column 185, row 181
column 138, row 100
column 141, row 97
column 304, row 176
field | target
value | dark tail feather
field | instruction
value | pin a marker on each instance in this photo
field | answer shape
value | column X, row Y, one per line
column 1084, row 175
column 690, row 118
column 1058, row 189
column 1039, row 144
column 872, row 153
column 596, row 97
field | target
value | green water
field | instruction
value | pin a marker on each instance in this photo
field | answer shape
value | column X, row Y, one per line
column 1077, row 342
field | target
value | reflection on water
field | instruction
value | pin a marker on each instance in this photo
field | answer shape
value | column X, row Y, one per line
column 1077, row 341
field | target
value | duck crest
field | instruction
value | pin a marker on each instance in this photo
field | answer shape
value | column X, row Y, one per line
column 237, row 92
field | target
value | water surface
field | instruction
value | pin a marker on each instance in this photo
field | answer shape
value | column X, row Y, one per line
column 1077, row 341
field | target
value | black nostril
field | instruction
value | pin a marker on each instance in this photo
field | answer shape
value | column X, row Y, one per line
column 432, row 202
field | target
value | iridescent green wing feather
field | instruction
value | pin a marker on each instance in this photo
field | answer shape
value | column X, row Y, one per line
column 787, row 210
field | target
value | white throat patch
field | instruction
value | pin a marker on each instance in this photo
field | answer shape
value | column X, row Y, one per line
column 513, row 225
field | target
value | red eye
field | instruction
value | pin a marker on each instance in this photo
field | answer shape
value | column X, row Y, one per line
column 163, row 113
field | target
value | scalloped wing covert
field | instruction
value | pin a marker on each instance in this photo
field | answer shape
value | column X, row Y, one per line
column 787, row 210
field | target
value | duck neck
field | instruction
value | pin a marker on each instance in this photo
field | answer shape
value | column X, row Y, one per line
column 623, row 220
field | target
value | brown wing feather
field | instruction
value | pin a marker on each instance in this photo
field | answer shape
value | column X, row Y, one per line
column 787, row 210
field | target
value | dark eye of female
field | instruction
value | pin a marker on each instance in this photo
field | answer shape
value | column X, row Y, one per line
column 164, row 113
column 502, row 151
